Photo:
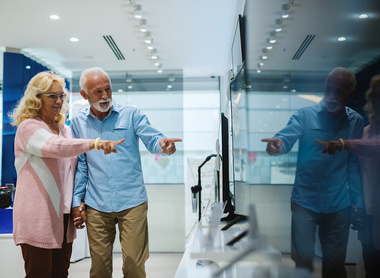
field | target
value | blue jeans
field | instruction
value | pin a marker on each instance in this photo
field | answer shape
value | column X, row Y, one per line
column 333, row 234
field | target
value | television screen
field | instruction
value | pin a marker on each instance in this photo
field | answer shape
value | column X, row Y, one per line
column 238, row 46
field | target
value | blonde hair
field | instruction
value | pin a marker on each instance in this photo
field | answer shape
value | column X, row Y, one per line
column 30, row 104
column 372, row 94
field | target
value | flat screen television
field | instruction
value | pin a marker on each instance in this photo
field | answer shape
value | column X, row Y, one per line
column 226, row 191
column 228, row 120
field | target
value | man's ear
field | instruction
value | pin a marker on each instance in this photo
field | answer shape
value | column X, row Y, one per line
column 83, row 94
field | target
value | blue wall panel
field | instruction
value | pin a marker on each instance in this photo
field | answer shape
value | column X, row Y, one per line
column 17, row 71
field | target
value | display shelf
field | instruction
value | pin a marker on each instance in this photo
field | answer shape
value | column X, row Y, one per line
column 216, row 249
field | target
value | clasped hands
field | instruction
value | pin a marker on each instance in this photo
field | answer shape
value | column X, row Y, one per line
column 79, row 216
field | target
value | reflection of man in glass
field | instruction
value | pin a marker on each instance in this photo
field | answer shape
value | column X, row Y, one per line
column 327, row 189
column 368, row 150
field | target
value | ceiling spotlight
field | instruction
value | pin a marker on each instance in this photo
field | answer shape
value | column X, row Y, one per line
column 54, row 16
column 120, row 91
column 143, row 26
column 130, row 86
column 258, row 70
column 285, row 11
column 157, row 63
column 264, row 57
column 363, row 16
column 74, row 39
column 148, row 38
column 261, row 64
column 269, row 47
column 271, row 40
column 342, row 39
column 169, row 86
column 150, row 46
column 159, row 69
column 278, row 25
column 138, row 11
column 154, row 55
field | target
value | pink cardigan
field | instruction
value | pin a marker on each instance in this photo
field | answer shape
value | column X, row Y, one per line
column 368, row 150
column 45, row 165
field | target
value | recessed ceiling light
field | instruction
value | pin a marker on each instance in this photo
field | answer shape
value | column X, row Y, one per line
column 342, row 39
column 54, row 16
column 28, row 67
column 363, row 16
column 74, row 39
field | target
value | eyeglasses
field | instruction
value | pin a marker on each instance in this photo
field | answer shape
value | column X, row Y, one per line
column 55, row 96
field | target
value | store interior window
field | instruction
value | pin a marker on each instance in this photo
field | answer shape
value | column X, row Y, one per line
column 179, row 107
column 259, row 111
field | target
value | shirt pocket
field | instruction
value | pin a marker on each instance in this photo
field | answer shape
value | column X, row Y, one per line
column 316, row 131
column 120, row 130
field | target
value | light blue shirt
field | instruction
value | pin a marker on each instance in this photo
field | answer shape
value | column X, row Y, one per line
column 324, row 183
column 114, row 181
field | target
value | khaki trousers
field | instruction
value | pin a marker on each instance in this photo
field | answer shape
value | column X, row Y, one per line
column 133, row 229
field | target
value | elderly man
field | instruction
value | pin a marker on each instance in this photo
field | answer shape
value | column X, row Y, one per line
column 113, row 188
column 327, row 189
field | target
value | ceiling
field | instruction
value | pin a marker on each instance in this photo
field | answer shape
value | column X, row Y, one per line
column 308, row 43
column 192, row 36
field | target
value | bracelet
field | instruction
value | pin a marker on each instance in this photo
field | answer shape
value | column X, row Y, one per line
column 96, row 144
column 342, row 142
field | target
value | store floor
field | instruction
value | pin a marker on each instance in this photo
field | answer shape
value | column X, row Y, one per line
column 164, row 265
column 159, row 265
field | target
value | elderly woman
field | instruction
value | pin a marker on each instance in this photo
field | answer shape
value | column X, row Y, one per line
column 368, row 150
column 45, row 160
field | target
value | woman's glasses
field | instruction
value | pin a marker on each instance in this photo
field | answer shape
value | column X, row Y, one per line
column 55, row 96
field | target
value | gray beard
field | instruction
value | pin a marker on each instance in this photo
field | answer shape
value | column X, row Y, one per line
column 97, row 106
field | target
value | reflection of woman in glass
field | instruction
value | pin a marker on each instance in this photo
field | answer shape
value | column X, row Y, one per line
column 45, row 160
column 368, row 150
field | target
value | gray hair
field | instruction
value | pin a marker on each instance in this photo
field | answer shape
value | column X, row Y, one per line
column 350, row 75
column 87, row 72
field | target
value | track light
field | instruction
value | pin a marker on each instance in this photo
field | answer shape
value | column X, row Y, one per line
column 148, row 38
column 143, row 26
column 278, row 25
column 154, row 55
column 285, row 11
column 138, row 11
